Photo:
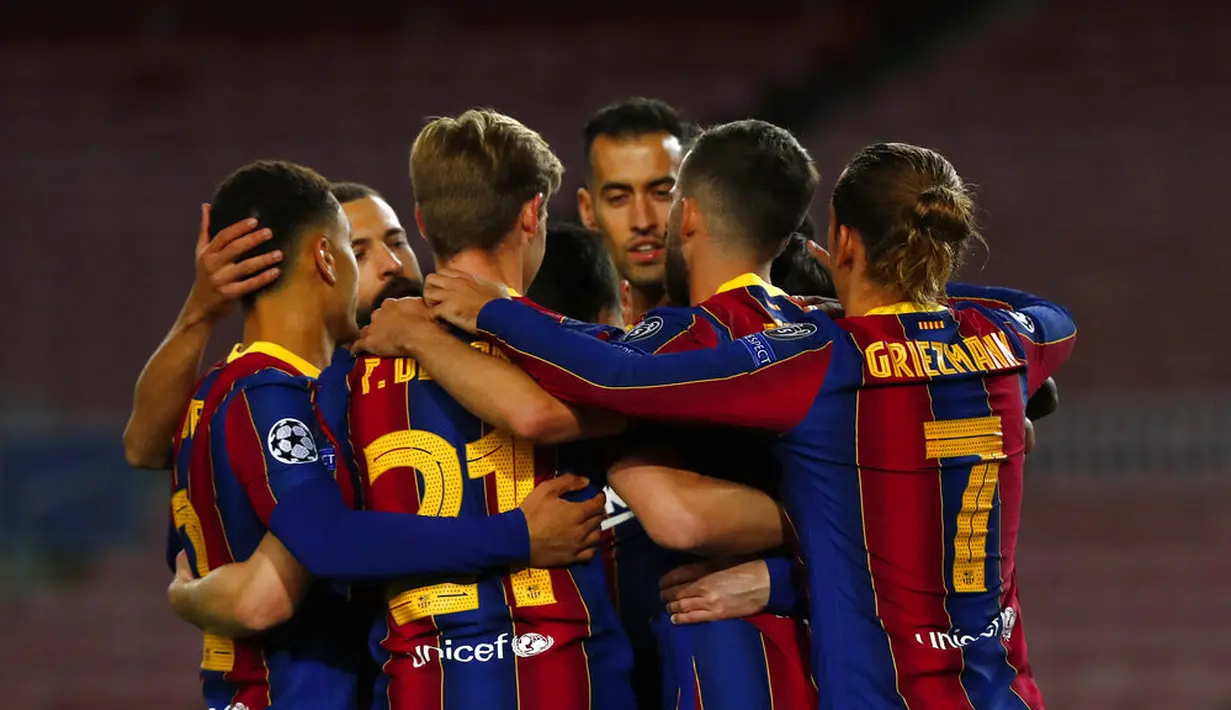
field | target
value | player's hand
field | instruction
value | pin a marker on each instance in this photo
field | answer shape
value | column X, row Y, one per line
column 562, row 533
column 831, row 307
column 458, row 297
column 715, row 589
column 397, row 329
column 221, row 279
column 1030, row 440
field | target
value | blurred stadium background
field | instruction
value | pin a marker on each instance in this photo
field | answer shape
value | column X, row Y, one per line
column 1095, row 129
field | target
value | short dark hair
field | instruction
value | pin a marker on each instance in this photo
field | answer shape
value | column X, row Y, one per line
column 797, row 273
column 345, row 192
column 753, row 179
column 577, row 278
column 286, row 198
column 636, row 116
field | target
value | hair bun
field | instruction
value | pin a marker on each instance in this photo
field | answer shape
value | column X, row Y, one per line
column 944, row 214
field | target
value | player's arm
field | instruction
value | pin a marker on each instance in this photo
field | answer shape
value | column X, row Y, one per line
column 491, row 388
column 758, row 381
column 299, row 501
column 165, row 384
column 1046, row 331
column 684, row 510
column 243, row 598
column 712, row 590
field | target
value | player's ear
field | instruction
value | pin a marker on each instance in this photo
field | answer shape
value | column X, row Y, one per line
column 846, row 247
column 691, row 219
column 531, row 216
column 585, row 208
column 326, row 262
column 419, row 222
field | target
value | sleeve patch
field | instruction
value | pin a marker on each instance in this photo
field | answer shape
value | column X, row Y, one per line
column 760, row 350
column 290, row 442
column 792, row 331
column 1023, row 320
column 647, row 328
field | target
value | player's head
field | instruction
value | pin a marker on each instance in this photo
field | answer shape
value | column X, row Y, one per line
column 798, row 273
column 577, row 278
column 482, row 180
column 744, row 188
column 379, row 242
column 901, row 218
column 308, row 226
column 633, row 152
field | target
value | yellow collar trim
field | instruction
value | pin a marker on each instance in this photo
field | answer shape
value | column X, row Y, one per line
column 750, row 279
column 905, row 307
column 273, row 350
column 513, row 292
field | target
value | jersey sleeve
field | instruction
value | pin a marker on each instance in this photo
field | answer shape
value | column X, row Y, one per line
column 666, row 330
column 1045, row 330
column 269, row 437
column 787, row 596
column 270, row 444
column 765, row 380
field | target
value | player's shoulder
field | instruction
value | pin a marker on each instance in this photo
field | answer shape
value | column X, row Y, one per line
column 660, row 325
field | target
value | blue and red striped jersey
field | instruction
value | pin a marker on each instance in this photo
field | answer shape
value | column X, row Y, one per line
column 520, row 638
column 743, row 664
column 901, row 437
column 251, row 432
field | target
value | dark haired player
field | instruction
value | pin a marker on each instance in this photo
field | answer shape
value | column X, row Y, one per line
column 249, row 460
column 900, row 428
column 227, row 268
column 633, row 150
column 577, row 278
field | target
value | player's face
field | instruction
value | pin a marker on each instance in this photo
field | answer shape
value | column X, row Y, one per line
column 343, row 295
column 676, row 273
column 628, row 200
column 381, row 249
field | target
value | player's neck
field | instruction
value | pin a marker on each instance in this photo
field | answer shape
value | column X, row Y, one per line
column 645, row 300
column 862, row 296
column 282, row 319
column 708, row 275
column 501, row 265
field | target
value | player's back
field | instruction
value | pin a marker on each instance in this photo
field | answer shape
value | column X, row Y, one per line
column 521, row 638
column 310, row 661
column 759, row 661
column 906, row 477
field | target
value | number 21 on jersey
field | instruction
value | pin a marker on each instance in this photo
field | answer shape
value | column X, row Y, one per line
column 498, row 453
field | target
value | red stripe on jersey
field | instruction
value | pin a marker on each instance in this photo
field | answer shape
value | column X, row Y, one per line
column 896, row 496
column 246, row 449
column 1000, row 392
column 560, row 677
column 787, row 645
column 413, row 688
column 252, row 675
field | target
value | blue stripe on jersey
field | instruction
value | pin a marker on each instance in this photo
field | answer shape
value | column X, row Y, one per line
column 986, row 673
column 730, row 665
column 830, row 434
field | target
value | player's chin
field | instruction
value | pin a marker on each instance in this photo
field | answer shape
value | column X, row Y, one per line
column 646, row 275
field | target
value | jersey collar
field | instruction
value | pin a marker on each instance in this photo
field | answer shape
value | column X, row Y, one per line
column 898, row 309
column 513, row 292
column 275, row 351
column 750, row 279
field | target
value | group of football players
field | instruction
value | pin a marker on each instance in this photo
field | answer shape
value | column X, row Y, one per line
column 705, row 462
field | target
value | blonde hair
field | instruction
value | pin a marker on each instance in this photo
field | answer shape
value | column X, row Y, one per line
column 472, row 174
